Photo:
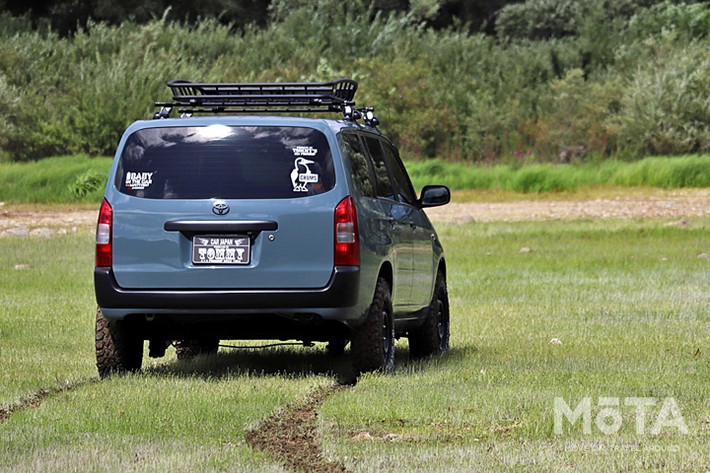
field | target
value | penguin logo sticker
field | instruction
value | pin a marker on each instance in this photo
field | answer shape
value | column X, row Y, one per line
column 301, row 175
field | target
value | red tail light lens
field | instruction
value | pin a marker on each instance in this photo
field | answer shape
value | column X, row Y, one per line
column 103, row 236
column 347, row 238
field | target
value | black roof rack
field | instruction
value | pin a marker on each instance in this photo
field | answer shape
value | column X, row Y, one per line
column 267, row 97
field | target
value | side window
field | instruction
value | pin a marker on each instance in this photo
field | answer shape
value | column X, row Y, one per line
column 405, row 191
column 360, row 169
column 382, row 178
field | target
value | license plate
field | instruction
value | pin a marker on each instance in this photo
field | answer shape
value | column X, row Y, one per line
column 221, row 249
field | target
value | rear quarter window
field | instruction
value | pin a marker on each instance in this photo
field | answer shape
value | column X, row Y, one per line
column 360, row 170
column 226, row 162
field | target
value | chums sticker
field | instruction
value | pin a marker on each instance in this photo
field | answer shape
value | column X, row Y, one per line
column 138, row 180
column 301, row 175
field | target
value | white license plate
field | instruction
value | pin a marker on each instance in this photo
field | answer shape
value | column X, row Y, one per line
column 221, row 249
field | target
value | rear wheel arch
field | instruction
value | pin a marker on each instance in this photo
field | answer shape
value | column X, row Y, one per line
column 442, row 266
column 386, row 273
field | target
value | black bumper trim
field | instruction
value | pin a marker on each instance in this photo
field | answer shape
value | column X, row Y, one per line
column 341, row 291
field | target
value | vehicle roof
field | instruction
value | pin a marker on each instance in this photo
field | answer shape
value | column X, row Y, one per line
column 321, row 124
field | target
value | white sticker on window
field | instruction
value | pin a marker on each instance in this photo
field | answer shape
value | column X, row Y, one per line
column 304, row 151
column 301, row 175
column 138, row 180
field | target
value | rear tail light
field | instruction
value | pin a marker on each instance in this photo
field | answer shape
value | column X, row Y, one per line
column 347, row 239
column 103, row 236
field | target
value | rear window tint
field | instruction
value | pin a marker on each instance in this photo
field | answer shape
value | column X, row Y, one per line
column 225, row 162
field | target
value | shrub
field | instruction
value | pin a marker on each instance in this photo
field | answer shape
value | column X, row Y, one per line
column 685, row 21
column 409, row 112
column 576, row 115
column 540, row 19
column 86, row 183
column 607, row 89
column 665, row 108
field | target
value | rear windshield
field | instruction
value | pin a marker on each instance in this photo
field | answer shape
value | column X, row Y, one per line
column 225, row 162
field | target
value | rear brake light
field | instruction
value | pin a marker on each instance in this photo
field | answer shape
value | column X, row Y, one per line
column 347, row 239
column 103, row 236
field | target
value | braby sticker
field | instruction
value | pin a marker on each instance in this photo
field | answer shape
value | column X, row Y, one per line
column 301, row 175
column 304, row 151
column 138, row 180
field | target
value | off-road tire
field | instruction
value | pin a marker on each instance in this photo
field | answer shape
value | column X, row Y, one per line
column 186, row 349
column 432, row 337
column 118, row 349
column 372, row 344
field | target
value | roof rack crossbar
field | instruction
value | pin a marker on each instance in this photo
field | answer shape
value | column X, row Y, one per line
column 237, row 110
column 338, row 92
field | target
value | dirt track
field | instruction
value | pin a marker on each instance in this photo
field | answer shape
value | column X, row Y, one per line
column 23, row 221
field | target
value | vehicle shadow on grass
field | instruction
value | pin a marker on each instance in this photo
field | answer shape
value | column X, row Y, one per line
column 290, row 362
column 285, row 362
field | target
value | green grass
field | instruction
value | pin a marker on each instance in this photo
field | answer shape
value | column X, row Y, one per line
column 171, row 416
column 80, row 179
column 62, row 179
column 660, row 172
column 45, row 329
column 149, row 422
column 628, row 300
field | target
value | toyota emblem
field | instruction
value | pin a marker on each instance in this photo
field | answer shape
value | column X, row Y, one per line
column 220, row 208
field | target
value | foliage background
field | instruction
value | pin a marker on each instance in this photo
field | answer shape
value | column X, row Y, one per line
column 537, row 81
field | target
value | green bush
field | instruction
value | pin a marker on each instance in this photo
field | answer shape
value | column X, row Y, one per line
column 626, row 78
column 665, row 108
column 540, row 19
column 685, row 21
column 87, row 183
column 405, row 103
column 574, row 126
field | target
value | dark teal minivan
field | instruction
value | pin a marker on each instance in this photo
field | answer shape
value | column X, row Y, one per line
column 237, row 225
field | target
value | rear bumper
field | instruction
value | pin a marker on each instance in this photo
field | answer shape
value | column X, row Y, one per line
column 341, row 292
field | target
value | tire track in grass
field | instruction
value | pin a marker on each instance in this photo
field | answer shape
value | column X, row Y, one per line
column 36, row 398
column 290, row 437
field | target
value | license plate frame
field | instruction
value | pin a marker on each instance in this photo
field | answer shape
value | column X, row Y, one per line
column 221, row 250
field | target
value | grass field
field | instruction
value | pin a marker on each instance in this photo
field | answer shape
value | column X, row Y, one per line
column 54, row 180
column 627, row 302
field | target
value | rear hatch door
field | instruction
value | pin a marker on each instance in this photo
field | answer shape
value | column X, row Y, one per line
column 224, row 207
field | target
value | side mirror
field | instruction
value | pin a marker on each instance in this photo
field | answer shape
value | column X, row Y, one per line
column 434, row 196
